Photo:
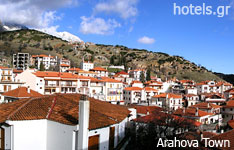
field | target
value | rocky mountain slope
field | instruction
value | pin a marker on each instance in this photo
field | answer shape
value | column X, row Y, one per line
column 160, row 64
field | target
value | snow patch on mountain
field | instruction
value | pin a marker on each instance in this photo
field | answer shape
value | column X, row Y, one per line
column 63, row 35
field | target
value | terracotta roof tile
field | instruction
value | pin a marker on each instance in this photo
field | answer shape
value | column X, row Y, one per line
column 231, row 123
column 106, row 79
column 170, row 95
column 133, row 89
column 191, row 112
column 122, row 73
column 98, row 69
column 22, row 92
column 150, row 89
column 65, row 110
column 74, row 69
column 55, row 74
column 229, row 104
column 161, row 115
column 64, row 65
column 205, row 105
column 146, row 109
column 226, row 136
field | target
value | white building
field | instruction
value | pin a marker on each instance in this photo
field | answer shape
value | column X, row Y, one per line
column 64, row 64
column 191, row 99
column 228, row 111
column 101, row 72
column 86, row 65
column 48, row 83
column 132, row 95
column 112, row 89
column 136, row 74
column 47, row 61
column 197, row 115
column 7, row 81
column 51, row 123
column 137, row 84
column 168, row 101
column 137, row 95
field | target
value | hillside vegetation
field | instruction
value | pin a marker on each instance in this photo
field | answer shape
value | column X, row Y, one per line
column 161, row 64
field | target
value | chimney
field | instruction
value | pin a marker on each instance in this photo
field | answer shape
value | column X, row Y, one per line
column 196, row 113
column 28, row 89
column 208, row 105
column 83, row 123
column 183, row 110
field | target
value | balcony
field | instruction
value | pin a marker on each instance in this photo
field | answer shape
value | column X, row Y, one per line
column 69, row 85
column 51, row 85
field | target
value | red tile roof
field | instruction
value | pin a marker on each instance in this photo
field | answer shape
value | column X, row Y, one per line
column 206, row 105
column 191, row 112
column 74, row 69
column 231, row 123
column 106, row 79
column 122, row 73
column 1, row 67
column 98, row 69
column 170, row 95
column 55, row 74
column 135, row 81
column 65, row 110
column 152, row 82
column 229, row 104
column 226, row 136
column 230, row 90
column 186, row 81
column 159, row 117
column 146, row 109
column 17, row 71
column 42, row 55
column 148, row 89
column 22, row 92
column 190, row 95
column 64, row 65
column 133, row 89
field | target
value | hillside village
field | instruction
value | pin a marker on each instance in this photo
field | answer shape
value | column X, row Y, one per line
column 110, row 102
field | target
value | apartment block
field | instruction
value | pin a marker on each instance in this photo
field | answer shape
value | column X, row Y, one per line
column 21, row 61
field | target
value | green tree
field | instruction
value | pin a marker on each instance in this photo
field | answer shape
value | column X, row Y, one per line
column 42, row 67
column 112, row 60
column 142, row 77
column 148, row 74
column 92, row 58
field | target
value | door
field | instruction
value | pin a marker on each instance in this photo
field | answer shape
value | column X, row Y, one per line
column 111, row 138
column 2, row 138
column 5, row 88
column 94, row 142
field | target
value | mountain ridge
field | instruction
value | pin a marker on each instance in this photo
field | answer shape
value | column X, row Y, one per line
column 161, row 64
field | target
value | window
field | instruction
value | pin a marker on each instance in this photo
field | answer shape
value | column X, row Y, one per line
column 9, row 87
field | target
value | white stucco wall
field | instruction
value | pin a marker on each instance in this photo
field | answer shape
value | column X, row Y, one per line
column 59, row 136
column 103, row 137
column 29, row 135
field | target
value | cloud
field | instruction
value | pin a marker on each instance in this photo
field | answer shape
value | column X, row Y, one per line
column 124, row 8
column 92, row 25
column 146, row 40
column 33, row 13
